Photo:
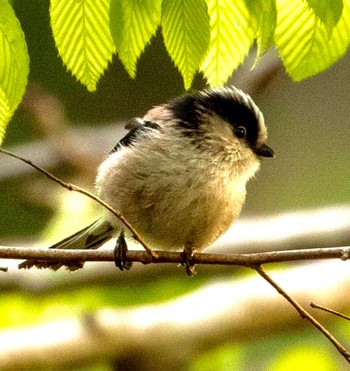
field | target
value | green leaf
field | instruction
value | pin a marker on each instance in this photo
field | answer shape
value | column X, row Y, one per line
column 81, row 32
column 303, row 42
column 327, row 11
column 185, row 27
column 14, row 64
column 264, row 14
column 133, row 23
column 5, row 113
column 230, row 39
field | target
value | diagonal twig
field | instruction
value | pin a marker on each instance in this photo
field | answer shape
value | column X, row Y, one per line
column 74, row 188
column 304, row 313
column 332, row 311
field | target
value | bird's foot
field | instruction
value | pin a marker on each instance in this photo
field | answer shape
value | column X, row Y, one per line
column 120, row 250
column 188, row 254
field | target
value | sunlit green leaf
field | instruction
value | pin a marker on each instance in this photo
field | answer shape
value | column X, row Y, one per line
column 264, row 14
column 303, row 41
column 328, row 11
column 185, row 25
column 5, row 113
column 14, row 64
column 133, row 23
column 82, row 36
column 230, row 39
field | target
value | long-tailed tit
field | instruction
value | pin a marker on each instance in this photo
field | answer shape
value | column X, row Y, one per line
column 179, row 176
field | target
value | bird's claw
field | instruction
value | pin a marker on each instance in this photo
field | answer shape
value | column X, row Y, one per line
column 120, row 250
column 188, row 261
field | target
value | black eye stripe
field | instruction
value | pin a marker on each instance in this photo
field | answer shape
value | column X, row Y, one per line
column 237, row 112
column 232, row 105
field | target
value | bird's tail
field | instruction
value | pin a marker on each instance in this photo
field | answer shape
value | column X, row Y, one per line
column 91, row 237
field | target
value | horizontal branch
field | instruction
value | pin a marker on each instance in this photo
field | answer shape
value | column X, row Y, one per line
column 319, row 228
column 152, row 256
column 65, row 256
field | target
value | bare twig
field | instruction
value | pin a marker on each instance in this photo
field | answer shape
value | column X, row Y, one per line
column 341, row 315
column 246, row 260
column 303, row 313
column 72, row 187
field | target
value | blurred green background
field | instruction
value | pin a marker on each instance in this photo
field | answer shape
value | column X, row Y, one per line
column 309, row 130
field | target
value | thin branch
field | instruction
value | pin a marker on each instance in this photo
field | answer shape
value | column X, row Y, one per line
column 74, row 188
column 341, row 315
column 246, row 260
column 303, row 313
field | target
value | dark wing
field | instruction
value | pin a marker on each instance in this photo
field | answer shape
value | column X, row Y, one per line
column 137, row 128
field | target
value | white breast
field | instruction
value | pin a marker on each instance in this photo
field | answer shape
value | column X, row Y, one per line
column 172, row 197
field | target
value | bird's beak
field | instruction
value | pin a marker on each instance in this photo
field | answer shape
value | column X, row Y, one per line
column 264, row 151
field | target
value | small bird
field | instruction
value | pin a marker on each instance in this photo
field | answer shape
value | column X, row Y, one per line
column 179, row 176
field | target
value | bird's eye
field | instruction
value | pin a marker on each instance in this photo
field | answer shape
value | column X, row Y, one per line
column 241, row 132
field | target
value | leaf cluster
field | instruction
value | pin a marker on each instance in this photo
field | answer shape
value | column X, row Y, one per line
column 208, row 36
